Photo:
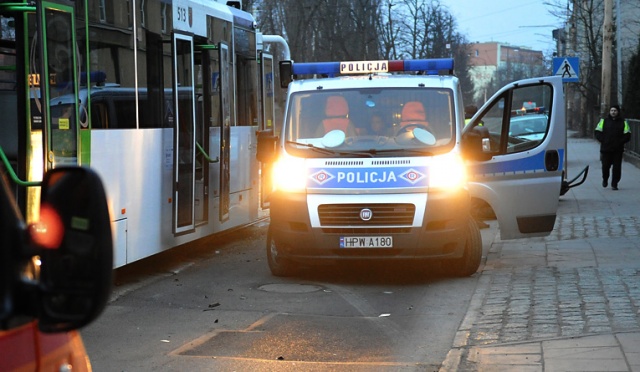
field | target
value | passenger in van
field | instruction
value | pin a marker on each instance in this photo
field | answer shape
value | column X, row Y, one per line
column 413, row 113
column 336, row 117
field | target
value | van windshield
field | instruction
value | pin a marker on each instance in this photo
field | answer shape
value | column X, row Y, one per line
column 370, row 122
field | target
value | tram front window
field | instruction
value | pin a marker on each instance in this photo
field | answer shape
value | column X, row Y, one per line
column 63, row 131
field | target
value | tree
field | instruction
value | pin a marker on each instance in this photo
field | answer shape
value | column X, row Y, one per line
column 584, row 20
column 334, row 30
column 324, row 30
column 388, row 31
column 523, row 66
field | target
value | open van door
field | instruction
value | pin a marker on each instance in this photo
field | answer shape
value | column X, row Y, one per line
column 515, row 155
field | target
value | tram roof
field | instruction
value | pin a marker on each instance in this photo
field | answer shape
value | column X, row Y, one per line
column 195, row 19
column 243, row 19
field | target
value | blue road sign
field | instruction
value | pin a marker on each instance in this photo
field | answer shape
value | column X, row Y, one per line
column 568, row 68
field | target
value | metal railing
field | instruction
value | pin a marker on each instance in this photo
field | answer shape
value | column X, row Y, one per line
column 632, row 148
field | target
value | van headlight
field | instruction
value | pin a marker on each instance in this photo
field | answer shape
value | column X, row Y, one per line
column 290, row 174
column 447, row 172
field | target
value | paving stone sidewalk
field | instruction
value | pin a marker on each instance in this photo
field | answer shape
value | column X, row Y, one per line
column 569, row 301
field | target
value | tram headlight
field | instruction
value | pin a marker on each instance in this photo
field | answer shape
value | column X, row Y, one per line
column 447, row 172
column 290, row 174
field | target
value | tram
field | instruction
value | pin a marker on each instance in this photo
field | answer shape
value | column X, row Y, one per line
column 163, row 99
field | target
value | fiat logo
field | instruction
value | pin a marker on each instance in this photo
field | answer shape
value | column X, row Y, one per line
column 366, row 214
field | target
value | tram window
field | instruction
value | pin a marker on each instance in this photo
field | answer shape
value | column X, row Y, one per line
column 9, row 133
column 63, row 131
column 247, row 90
column 125, row 111
column 99, row 116
column 149, row 115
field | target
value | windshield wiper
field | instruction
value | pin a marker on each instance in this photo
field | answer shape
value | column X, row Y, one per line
column 361, row 153
column 407, row 151
column 315, row 148
column 368, row 153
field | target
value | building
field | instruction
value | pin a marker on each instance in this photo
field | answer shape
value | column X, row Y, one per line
column 494, row 64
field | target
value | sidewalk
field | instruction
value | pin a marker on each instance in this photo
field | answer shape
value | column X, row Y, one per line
column 569, row 301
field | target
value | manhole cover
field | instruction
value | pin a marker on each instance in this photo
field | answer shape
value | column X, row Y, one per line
column 290, row 288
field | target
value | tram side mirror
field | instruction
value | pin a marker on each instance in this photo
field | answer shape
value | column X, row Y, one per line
column 476, row 143
column 74, row 242
column 267, row 146
column 286, row 73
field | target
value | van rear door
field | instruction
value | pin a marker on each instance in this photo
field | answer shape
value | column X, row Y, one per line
column 520, row 171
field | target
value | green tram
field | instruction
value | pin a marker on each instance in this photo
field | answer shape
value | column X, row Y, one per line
column 163, row 99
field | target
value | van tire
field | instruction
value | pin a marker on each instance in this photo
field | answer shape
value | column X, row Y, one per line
column 278, row 265
column 469, row 263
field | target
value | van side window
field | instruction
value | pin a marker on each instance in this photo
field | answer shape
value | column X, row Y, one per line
column 522, row 125
column 492, row 120
column 529, row 119
column 99, row 116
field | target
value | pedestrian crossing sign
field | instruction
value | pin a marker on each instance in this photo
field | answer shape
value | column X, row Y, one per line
column 568, row 68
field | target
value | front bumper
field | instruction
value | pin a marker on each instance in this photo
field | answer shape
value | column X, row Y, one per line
column 302, row 237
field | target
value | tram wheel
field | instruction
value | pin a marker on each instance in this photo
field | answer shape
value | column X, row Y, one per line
column 278, row 265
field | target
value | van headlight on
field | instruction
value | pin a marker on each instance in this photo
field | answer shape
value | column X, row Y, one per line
column 447, row 172
column 290, row 174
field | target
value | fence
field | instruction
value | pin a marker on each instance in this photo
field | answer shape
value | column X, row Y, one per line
column 632, row 149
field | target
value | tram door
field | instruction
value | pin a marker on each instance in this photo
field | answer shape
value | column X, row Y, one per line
column 184, row 135
column 58, row 100
column 268, row 122
column 205, row 96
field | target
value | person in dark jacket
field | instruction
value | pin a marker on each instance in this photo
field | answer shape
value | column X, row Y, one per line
column 612, row 132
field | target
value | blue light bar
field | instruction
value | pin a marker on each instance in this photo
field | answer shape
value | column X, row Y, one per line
column 310, row 68
column 434, row 66
column 430, row 66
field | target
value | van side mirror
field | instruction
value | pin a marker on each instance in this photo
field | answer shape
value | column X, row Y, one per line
column 286, row 73
column 75, row 246
column 476, row 143
column 267, row 146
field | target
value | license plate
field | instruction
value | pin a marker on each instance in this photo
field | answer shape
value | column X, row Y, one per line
column 366, row 242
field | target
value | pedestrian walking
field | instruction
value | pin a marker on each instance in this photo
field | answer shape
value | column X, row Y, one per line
column 469, row 111
column 612, row 132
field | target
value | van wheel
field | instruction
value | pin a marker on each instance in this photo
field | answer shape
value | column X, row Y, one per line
column 469, row 263
column 278, row 265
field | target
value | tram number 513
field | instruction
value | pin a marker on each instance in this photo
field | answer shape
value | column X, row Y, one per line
column 182, row 14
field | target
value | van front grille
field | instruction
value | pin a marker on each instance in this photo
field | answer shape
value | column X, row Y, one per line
column 381, row 214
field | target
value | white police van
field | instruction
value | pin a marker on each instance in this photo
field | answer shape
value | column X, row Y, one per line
column 374, row 162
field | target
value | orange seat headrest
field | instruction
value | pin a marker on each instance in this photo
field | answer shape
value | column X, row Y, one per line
column 336, row 107
column 413, row 111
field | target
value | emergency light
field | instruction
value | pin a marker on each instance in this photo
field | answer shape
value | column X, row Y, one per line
column 433, row 66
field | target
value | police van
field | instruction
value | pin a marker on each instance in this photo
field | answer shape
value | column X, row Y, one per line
column 374, row 162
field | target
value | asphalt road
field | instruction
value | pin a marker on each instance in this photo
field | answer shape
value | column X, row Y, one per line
column 214, row 305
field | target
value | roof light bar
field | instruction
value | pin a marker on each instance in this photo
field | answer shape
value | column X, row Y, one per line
column 435, row 66
column 309, row 68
